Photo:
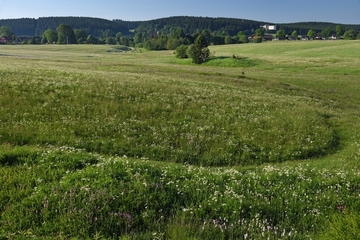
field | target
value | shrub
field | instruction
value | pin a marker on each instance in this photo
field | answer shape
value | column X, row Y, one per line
column 199, row 51
column 182, row 51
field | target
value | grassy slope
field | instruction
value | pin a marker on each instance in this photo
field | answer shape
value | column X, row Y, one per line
column 308, row 88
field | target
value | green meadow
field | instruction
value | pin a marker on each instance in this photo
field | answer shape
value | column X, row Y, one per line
column 106, row 142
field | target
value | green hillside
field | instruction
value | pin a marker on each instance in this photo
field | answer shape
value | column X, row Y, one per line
column 227, row 26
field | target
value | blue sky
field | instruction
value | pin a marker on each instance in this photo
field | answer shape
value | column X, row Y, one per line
column 274, row 11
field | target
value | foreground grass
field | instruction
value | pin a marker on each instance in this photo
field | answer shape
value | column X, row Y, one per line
column 64, row 192
column 280, row 119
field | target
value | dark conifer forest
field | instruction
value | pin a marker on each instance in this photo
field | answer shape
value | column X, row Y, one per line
column 190, row 25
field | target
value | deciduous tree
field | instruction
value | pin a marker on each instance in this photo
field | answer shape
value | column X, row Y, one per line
column 65, row 34
column 6, row 31
column 326, row 32
column 199, row 51
column 32, row 41
column 118, row 36
column 339, row 30
column 295, row 34
column 228, row 40
column 110, row 40
column 91, row 39
column 242, row 37
column 139, row 38
column 260, row 32
column 207, row 35
column 181, row 51
column 280, row 34
column 350, row 34
column 311, row 34
column 124, row 41
column 179, row 33
column 50, row 36
column 80, row 35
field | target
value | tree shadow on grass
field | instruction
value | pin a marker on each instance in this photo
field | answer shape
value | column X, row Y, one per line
column 119, row 49
column 232, row 61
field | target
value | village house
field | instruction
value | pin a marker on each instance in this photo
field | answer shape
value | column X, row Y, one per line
column 334, row 37
column 268, row 37
column 291, row 38
column 269, row 27
column 5, row 40
column 305, row 38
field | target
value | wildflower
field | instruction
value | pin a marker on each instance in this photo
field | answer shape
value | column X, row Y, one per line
column 340, row 207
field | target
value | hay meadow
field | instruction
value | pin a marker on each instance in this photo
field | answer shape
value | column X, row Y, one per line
column 108, row 142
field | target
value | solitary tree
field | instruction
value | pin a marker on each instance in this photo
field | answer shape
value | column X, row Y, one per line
column 280, row 34
column 339, row 30
column 50, row 36
column 311, row 34
column 65, row 34
column 294, row 34
column 260, row 32
column 6, row 31
column 199, row 51
column 326, row 32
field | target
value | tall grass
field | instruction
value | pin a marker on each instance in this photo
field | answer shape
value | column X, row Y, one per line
column 139, row 145
column 161, row 117
column 67, row 192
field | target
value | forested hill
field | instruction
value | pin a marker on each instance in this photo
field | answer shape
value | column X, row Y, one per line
column 35, row 27
column 22, row 26
column 225, row 26
column 191, row 25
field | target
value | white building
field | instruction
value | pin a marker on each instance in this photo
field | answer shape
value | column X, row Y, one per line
column 268, row 27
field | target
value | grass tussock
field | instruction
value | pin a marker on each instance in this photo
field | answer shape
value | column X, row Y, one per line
column 233, row 61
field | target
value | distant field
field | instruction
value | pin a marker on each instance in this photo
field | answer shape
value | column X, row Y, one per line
column 103, row 141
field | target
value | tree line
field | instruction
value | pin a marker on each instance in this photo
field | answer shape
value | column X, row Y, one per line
column 165, row 33
column 326, row 33
column 191, row 25
column 35, row 27
column 65, row 34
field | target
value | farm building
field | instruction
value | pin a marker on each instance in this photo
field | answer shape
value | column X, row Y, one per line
column 5, row 40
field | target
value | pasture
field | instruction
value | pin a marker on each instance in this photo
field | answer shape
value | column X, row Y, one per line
column 262, row 141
